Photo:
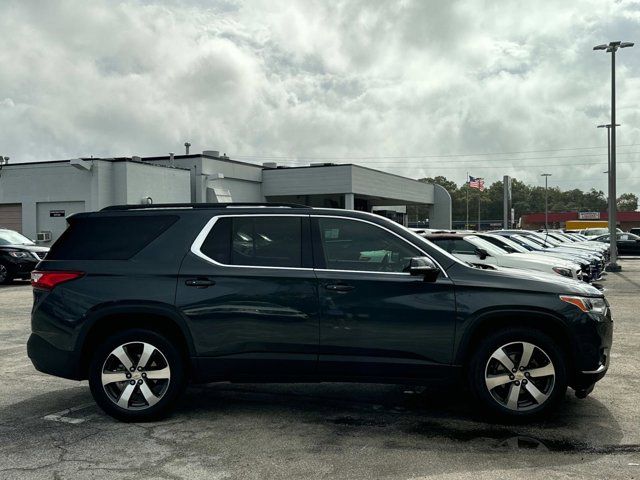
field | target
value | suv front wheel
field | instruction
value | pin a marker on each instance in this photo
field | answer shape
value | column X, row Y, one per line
column 518, row 373
column 137, row 375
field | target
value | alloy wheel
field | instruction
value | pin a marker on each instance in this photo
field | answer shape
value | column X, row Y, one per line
column 3, row 273
column 135, row 375
column 520, row 376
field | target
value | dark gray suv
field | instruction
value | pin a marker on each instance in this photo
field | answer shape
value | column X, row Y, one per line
column 141, row 300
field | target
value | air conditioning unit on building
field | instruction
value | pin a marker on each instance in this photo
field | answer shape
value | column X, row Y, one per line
column 43, row 236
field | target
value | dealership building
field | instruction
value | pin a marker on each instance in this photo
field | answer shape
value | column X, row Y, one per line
column 36, row 197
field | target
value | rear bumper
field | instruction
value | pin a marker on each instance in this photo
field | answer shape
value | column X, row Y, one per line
column 51, row 360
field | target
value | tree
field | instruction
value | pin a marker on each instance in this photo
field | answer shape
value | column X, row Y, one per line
column 525, row 199
column 627, row 202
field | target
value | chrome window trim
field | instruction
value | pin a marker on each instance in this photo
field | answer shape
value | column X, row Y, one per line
column 202, row 236
column 197, row 244
column 391, row 232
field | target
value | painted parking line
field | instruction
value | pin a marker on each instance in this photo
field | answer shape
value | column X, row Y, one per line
column 62, row 417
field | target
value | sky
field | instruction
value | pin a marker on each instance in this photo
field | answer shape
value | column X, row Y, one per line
column 418, row 88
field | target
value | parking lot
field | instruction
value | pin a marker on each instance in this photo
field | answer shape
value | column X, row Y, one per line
column 50, row 428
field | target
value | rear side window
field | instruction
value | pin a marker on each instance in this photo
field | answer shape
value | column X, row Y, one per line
column 109, row 238
column 256, row 241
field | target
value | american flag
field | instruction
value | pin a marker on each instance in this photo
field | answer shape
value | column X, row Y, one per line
column 475, row 182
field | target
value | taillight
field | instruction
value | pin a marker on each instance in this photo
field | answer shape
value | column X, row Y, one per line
column 49, row 280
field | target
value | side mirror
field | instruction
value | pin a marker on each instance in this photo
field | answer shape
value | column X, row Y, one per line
column 482, row 253
column 424, row 267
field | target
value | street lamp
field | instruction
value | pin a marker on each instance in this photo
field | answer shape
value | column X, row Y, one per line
column 546, row 201
column 611, row 48
column 608, row 127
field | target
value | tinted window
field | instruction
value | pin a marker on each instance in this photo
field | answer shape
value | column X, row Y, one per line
column 354, row 245
column 108, row 238
column 461, row 247
column 256, row 241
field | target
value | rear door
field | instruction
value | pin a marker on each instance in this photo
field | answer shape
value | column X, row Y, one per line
column 249, row 292
column 377, row 320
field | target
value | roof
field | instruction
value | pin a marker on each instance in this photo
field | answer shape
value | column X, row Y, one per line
column 538, row 217
column 111, row 160
column 446, row 236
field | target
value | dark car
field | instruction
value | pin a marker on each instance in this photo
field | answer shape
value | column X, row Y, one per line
column 627, row 243
column 141, row 300
column 18, row 256
column 635, row 230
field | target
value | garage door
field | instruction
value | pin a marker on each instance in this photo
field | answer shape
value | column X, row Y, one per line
column 11, row 216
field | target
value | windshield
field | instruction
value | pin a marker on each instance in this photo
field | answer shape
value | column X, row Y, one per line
column 491, row 249
column 439, row 249
column 546, row 239
column 515, row 245
column 530, row 242
column 9, row 237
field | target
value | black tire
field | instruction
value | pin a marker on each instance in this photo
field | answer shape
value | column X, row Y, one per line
column 6, row 277
column 495, row 402
column 169, row 390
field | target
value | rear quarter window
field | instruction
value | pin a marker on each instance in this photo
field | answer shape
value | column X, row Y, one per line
column 109, row 238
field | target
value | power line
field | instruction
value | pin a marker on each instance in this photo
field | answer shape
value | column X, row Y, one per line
column 391, row 157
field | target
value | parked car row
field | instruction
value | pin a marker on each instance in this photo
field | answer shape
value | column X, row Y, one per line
column 550, row 252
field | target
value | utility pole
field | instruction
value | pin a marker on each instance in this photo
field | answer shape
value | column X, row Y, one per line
column 611, row 48
column 546, row 201
column 506, row 201
column 608, row 172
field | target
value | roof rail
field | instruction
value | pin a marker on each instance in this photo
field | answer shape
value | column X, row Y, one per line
column 158, row 206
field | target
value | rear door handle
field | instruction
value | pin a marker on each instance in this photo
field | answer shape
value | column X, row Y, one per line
column 339, row 287
column 199, row 282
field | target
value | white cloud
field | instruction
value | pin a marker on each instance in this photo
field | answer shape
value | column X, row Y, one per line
column 345, row 79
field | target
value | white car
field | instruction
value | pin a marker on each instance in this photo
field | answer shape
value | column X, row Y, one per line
column 475, row 250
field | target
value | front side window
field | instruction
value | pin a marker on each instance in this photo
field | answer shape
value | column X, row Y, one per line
column 462, row 247
column 255, row 241
column 354, row 245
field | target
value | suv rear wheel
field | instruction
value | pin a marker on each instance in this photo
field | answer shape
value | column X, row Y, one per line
column 137, row 375
column 518, row 373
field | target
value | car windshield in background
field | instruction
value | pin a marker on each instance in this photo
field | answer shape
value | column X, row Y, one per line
column 488, row 246
column 9, row 237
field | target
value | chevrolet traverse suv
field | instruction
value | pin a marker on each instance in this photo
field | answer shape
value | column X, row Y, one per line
column 141, row 300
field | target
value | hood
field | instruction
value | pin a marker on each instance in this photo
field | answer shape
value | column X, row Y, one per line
column 527, row 280
column 25, row 248
column 532, row 258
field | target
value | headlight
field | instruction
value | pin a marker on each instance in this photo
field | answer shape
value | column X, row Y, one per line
column 565, row 272
column 587, row 304
column 19, row 254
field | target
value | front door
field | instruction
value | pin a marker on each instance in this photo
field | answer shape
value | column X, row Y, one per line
column 377, row 320
column 249, row 292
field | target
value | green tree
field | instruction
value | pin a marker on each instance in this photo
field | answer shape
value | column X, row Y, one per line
column 627, row 202
column 525, row 199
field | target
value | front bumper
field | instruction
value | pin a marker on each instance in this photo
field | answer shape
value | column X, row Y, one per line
column 22, row 267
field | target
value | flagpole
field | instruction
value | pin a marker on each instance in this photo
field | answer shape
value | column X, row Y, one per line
column 466, row 225
column 479, row 196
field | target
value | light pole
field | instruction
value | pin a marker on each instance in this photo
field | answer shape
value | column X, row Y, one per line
column 612, row 47
column 546, row 201
column 608, row 172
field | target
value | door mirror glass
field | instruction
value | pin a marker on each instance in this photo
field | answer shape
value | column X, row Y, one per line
column 424, row 267
column 482, row 253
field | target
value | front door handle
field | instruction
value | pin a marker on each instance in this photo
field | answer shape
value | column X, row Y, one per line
column 339, row 287
column 199, row 282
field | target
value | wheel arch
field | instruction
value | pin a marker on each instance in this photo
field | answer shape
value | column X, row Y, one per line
column 493, row 320
column 112, row 319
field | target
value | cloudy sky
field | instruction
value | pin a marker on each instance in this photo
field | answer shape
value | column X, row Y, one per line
column 419, row 88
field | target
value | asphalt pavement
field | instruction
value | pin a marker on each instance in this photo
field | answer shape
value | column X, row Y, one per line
column 51, row 429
